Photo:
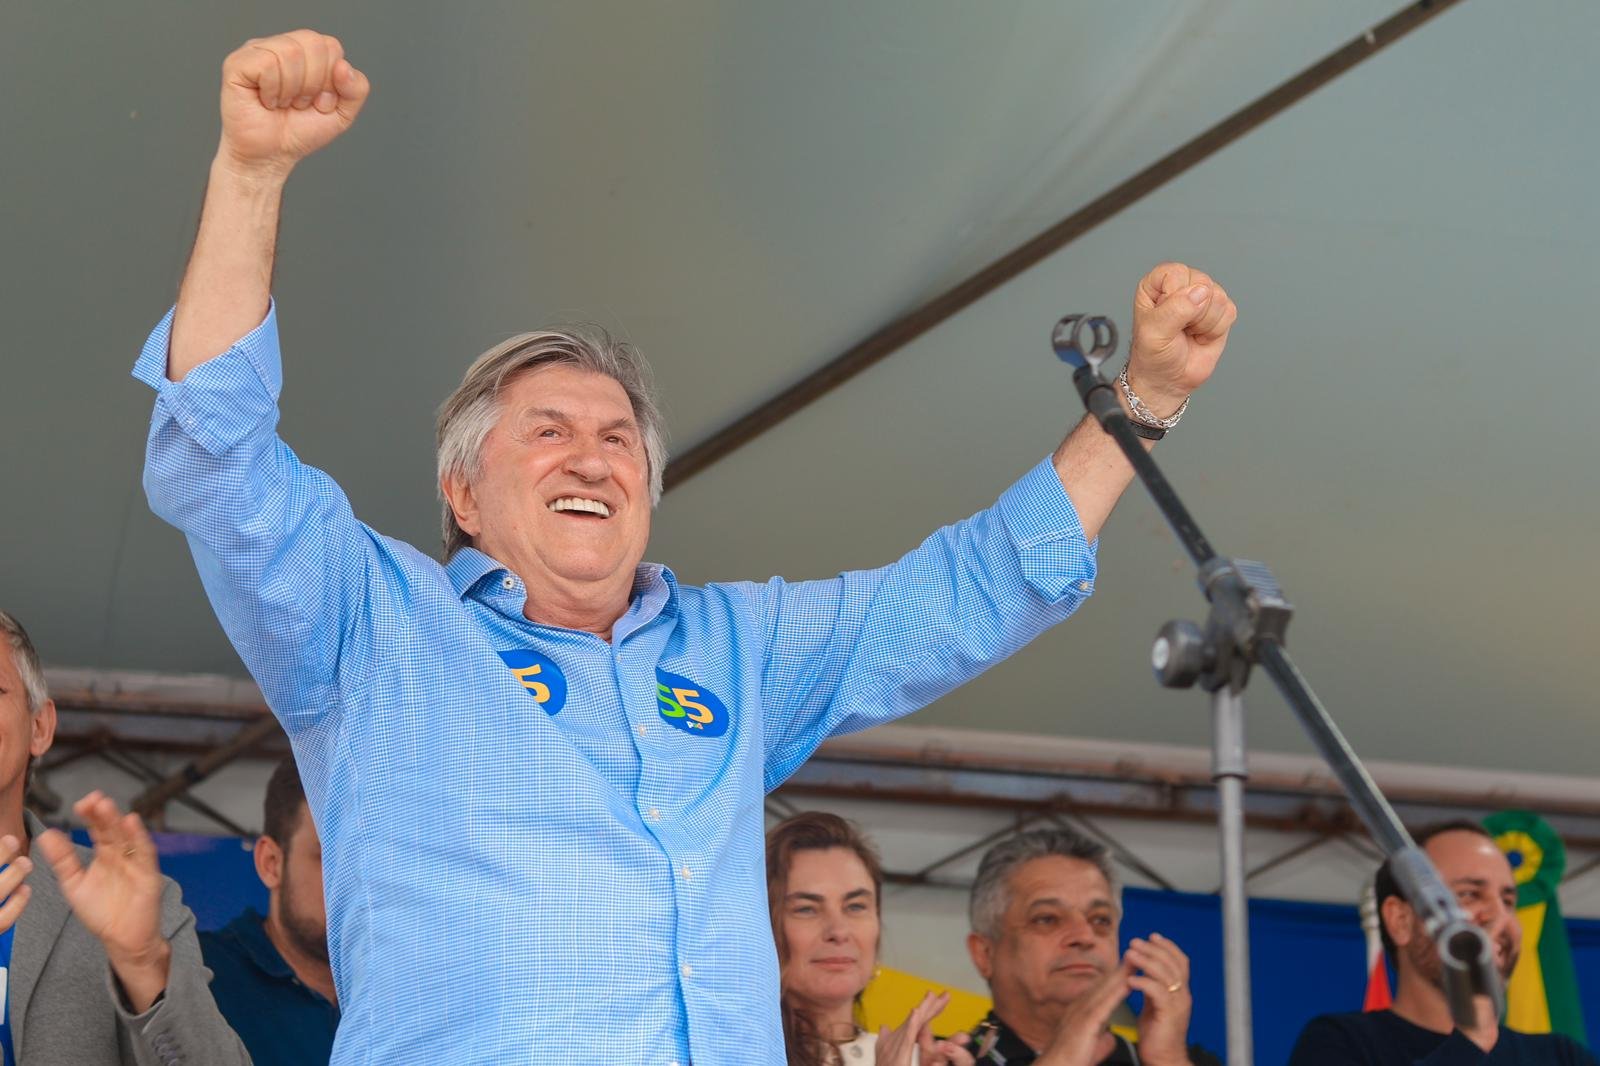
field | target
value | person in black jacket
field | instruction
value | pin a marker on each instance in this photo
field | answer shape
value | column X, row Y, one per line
column 1045, row 909
column 1419, row 1029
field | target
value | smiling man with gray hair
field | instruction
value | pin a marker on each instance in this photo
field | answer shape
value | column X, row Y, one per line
column 99, row 965
column 1045, row 909
column 537, row 767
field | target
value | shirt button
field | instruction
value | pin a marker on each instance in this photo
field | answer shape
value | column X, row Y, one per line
column 687, row 970
column 508, row 582
column 639, row 729
column 688, row 875
column 655, row 814
column 1083, row 586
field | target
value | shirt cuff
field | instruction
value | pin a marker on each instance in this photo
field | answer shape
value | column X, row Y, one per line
column 125, row 1011
column 162, row 1027
column 224, row 399
column 1052, row 552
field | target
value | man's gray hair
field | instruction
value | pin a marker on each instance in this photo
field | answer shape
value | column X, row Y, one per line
column 27, row 660
column 470, row 413
column 991, row 891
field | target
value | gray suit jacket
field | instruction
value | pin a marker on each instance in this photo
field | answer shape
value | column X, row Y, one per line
column 66, row 1008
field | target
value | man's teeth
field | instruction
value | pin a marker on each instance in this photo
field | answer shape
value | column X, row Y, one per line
column 577, row 503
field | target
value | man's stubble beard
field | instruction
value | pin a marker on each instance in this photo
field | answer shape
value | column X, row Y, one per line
column 301, row 929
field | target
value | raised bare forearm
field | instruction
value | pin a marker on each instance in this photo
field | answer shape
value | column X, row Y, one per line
column 228, row 283
column 283, row 98
column 1094, row 472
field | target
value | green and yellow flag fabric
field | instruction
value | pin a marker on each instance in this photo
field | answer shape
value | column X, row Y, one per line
column 1542, row 995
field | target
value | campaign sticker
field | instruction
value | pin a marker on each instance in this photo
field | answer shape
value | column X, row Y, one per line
column 540, row 676
column 689, row 706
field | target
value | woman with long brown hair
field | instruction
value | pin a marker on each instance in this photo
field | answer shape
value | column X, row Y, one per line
column 824, row 888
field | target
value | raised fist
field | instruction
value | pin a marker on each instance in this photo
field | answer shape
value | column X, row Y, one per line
column 284, row 97
column 1181, row 319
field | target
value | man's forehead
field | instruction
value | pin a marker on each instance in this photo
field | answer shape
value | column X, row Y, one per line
column 559, row 385
column 1073, row 882
column 1459, row 854
column 538, row 410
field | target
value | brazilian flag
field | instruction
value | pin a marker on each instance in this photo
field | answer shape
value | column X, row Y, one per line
column 1542, row 995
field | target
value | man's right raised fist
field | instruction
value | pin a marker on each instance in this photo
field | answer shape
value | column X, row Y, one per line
column 284, row 97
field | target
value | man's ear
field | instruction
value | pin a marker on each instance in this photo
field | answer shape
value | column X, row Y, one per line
column 463, row 503
column 42, row 729
column 269, row 862
column 982, row 953
column 1399, row 919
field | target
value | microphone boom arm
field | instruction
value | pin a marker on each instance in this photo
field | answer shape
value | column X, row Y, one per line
column 1247, row 625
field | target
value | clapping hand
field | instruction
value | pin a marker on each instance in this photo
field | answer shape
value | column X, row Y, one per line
column 1163, row 977
column 899, row 1047
column 117, row 897
column 12, row 890
column 1082, row 1037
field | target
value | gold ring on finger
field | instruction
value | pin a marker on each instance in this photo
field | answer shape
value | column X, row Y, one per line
column 1174, row 986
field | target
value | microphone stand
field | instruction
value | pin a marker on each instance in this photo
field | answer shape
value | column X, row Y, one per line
column 1246, row 626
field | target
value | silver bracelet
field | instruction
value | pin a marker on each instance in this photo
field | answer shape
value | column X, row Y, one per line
column 1142, row 413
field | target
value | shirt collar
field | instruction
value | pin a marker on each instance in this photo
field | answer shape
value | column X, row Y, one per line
column 655, row 588
column 1003, row 1047
column 251, row 930
column 467, row 567
column 999, row 1045
column 655, row 594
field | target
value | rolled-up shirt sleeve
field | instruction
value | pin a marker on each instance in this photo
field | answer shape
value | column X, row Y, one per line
column 1053, row 555
column 287, row 567
column 221, row 401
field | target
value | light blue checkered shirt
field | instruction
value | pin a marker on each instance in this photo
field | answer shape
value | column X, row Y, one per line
column 540, row 846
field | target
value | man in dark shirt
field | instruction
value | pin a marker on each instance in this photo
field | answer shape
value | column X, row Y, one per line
column 1045, row 909
column 272, row 979
column 1419, row 1030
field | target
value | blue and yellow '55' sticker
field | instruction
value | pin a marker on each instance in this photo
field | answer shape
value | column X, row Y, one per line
column 541, row 677
column 689, row 707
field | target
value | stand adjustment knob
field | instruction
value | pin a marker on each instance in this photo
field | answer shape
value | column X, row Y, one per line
column 1180, row 655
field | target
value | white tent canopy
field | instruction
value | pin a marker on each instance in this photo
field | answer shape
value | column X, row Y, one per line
column 1402, row 426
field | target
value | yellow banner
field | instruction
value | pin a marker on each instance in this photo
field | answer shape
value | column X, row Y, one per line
column 892, row 994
